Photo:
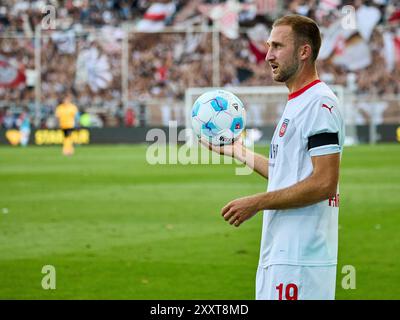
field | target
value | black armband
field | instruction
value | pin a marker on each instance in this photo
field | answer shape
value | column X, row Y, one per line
column 323, row 139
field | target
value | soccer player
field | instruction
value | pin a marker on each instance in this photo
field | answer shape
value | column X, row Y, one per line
column 299, row 242
column 66, row 113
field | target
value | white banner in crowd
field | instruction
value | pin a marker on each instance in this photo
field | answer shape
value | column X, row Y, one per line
column 349, row 51
column 11, row 76
column 93, row 69
column 155, row 17
column 355, row 56
column 226, row 17
column 391, row 49
column 332, row 37
column 367, row 19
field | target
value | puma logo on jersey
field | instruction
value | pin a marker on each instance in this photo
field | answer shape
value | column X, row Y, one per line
column 329, row 108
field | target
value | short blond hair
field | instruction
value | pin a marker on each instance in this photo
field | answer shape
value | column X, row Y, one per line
column 305, row 30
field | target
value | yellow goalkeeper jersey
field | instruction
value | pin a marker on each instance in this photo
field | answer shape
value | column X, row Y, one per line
column 66, row 112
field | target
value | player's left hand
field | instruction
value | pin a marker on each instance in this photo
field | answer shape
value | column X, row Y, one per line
column 240, row 210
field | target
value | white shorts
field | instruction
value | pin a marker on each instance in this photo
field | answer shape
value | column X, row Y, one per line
column 287, row 282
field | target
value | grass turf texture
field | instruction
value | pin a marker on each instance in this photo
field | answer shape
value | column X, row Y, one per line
column 115, row 227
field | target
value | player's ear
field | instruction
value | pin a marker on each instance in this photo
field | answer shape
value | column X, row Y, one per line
column 305, row 51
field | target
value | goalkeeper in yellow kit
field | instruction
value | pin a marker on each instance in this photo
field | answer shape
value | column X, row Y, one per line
column 66, row 114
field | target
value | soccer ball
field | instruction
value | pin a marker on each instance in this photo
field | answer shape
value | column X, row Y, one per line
column 218, row 116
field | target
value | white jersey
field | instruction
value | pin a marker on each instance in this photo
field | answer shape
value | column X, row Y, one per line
column 311, row 125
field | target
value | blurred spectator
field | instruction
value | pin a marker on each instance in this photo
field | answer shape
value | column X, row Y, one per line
column 130, row 118
column 8, row 119
column 24, row 125
column 85, row 52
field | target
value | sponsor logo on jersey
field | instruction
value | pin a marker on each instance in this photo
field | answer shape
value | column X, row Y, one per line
column 334, row 201
column 327, row 107
column 273, row 151
column 283, row 128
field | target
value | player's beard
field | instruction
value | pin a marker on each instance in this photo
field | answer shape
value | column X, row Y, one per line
column 285, row 73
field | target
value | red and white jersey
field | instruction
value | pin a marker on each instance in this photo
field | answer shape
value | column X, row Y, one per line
column 311, row 125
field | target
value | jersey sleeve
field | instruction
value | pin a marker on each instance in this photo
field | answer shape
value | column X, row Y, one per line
column 322, row 132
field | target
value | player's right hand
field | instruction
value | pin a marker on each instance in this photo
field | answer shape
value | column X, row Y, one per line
column 235, row 150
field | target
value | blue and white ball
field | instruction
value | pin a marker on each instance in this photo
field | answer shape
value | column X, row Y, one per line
column 218, row 116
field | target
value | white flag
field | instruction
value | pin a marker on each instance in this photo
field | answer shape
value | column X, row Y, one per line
column 355, row 56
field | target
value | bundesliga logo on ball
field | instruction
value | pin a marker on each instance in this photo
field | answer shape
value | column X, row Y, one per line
column 218, row 116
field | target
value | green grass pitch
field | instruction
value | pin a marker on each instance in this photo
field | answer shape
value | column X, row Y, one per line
column 115, row 227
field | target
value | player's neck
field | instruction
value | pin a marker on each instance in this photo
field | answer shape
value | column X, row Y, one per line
column 301, row 79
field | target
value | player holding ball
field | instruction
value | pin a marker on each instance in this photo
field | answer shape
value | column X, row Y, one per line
column 299, row 242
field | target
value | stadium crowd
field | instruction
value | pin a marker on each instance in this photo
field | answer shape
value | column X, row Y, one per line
column 86, row 57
